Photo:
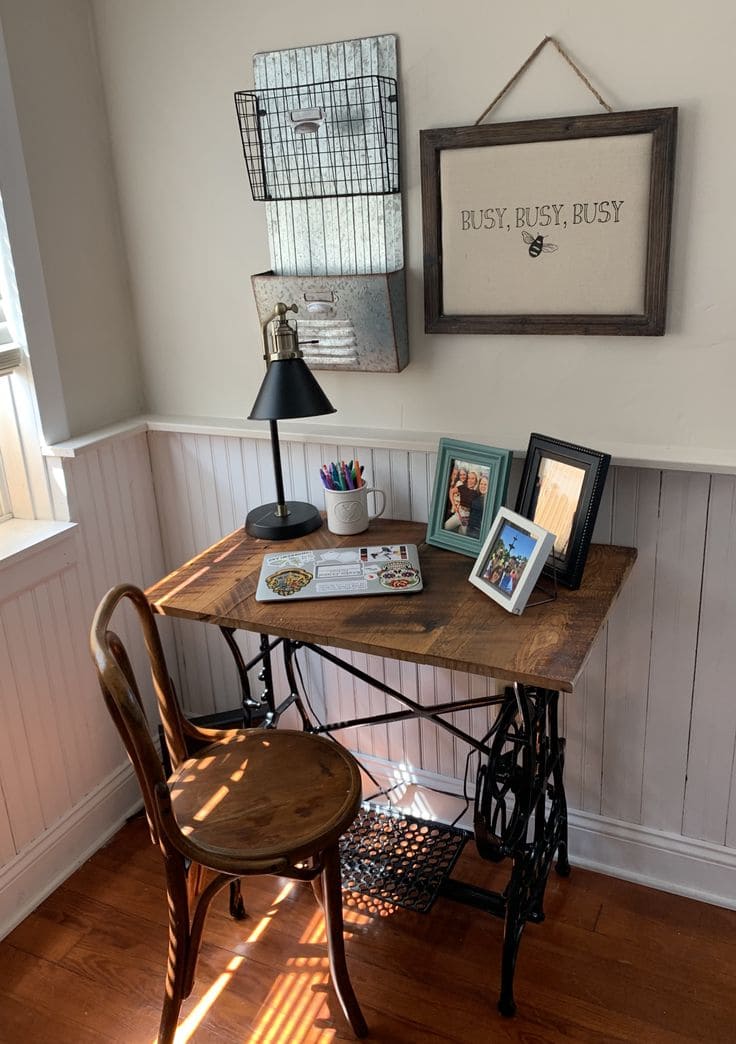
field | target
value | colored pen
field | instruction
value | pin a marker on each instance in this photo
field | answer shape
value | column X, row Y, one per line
column 341, row 476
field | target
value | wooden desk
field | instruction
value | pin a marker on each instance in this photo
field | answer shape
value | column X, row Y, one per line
column 520, row 807
column 450, row 624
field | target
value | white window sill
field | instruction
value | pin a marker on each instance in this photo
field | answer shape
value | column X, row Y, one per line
column 21, row 539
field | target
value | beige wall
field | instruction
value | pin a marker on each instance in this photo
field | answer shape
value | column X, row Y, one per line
column 195, row 236
column 65, row 140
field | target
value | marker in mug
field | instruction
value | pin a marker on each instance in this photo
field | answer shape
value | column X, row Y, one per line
column 341, row 476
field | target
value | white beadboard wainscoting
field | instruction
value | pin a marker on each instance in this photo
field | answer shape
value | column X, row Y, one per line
column 651, row 728
column 65, row 782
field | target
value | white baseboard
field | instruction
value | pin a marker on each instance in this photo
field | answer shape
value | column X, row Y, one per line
column 49, row 859
column 668, row 862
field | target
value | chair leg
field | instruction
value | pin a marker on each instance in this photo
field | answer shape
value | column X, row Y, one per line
column 237, row 906
column 196, row 881
column 178, row 957
column 332, row 904
column 319, row 895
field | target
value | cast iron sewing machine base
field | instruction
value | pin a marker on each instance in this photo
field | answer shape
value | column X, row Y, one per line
column 520, row 811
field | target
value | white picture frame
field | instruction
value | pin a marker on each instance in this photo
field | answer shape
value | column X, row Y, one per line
column 511, row 560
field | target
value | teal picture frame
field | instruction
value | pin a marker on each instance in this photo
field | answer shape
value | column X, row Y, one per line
column 462, row 510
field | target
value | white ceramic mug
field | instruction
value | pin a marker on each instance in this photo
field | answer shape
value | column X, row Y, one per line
column 347, row 509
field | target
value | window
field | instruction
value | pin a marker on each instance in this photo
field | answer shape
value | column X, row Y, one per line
column 9, row 360
column 25, row 491
column 10, row 356
column 23, row 487
column 5, row 506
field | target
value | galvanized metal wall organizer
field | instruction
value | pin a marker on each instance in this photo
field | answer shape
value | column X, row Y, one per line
column 320, row 135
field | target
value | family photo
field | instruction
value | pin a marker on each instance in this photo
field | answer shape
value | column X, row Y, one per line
column 466, row 498
column 508, row 558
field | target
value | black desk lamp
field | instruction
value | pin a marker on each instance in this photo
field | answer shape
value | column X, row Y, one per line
column 289, row 390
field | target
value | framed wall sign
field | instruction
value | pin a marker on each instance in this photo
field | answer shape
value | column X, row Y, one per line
column 561, row 489
column 549, row 226
column 511, row 560
column 469, row 487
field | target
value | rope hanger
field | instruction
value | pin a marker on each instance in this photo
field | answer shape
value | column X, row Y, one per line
column 528, row 62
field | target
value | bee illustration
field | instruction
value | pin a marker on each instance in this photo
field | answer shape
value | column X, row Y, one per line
column 536, row 246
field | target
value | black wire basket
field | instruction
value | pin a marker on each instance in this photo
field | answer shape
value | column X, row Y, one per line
column 320, row 140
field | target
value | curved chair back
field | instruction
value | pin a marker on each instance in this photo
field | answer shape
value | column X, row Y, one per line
column 123, row 697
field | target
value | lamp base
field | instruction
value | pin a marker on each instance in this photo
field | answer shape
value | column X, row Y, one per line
column 263, row 522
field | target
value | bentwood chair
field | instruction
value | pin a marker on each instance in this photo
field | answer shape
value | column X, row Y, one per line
column 248, row 801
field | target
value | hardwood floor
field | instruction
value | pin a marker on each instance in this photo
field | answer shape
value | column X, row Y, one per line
column 612, row 962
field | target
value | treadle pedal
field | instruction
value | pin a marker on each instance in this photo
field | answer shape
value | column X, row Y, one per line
column 490, row 846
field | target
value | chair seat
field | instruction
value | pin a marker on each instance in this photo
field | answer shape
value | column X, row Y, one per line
column 268, row 792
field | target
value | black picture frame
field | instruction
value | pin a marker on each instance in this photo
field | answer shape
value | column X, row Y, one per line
column 561, row 489
column 447, row 155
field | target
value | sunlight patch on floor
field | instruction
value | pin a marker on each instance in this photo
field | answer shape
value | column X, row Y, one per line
column 296, row 1010
column 296, row 1001
column 197, row 1014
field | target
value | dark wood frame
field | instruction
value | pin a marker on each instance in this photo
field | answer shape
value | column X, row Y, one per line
column 567, row 569
column 661, row 123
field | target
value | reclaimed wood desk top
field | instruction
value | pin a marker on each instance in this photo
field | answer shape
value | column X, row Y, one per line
column 449, row 624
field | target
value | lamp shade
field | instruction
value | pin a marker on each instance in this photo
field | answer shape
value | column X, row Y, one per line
column 289, row 390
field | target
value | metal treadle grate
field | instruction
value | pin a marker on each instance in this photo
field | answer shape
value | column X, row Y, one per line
column 394, row 858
